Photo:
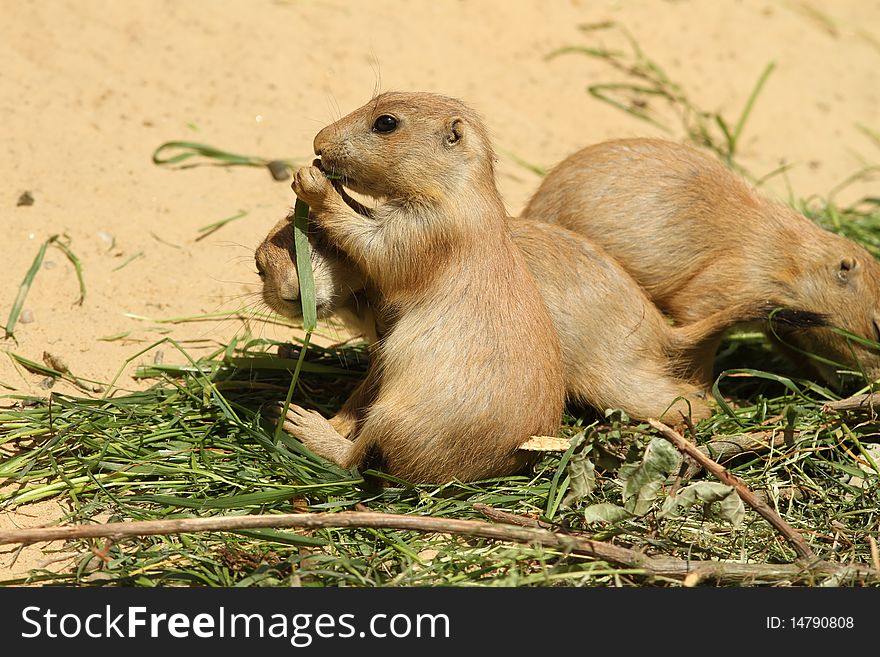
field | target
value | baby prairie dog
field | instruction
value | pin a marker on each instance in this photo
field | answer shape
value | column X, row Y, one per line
column 700, row 240
column 469, row 367
column 618, row 351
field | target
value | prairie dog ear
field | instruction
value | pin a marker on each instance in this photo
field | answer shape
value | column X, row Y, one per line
column 847, row 268
column 453, row 131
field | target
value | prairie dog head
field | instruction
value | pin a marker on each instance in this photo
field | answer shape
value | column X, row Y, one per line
column 407, row 146
column 843, row 283
column 336, row 280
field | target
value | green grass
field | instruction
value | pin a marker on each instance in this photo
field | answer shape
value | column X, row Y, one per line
column 175, row 152
column 61, row 242
column 197, row 444
column 647, row 85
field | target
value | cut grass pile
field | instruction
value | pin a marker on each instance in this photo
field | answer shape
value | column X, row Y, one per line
column 196, row 445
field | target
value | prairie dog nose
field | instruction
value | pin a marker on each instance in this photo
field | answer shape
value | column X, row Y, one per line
column 318, row 144
column 289, row 291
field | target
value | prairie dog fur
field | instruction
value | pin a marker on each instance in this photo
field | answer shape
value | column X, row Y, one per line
column 469, row 367
column 339, row 287
column 699, row 240
column 618, row 351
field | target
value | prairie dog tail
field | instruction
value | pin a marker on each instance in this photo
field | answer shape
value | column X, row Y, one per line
column 693, row 346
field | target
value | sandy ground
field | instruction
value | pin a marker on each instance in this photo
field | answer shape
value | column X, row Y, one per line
column 89, row 88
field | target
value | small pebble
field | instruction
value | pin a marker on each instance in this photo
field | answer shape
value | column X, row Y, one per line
column 279, row 170
column 26, row 316
column 49, row 264
column 25, row 199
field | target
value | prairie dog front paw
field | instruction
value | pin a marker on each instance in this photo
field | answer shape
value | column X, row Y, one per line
column 311, row 185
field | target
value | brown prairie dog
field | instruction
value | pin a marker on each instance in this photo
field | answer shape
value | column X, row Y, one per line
column 339, row 287
column 699, row 240
column 469, row 367
column 617, row 349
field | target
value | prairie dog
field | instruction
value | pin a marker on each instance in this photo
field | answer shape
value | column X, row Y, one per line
column 469, row 367
column 618, row 351
column 699, row 240
column 339, row 287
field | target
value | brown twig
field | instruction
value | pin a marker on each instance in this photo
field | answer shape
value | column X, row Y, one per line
column 866, row 402
column 797, row 541
column 689, row 571
column 656, row 566
column 510, row 518
column 724, row 448
column 875, row 554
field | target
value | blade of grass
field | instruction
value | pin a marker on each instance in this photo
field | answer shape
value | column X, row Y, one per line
column 77, row 265
column 537, row 169
column 217, row 225
column 733, row 140
column 598, row 91
column 280, row 169
column 116, row 336
column 33, row 366
column 88, row 385
column 304, row 265
column 873, row 135
column 306, row 295
column 279, row 428
column 128, row 260
column 226, row 314
column 25, row 287
column 556, row 493
column 188, row 149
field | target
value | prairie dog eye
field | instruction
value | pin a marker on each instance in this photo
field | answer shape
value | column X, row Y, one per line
column 385, row 123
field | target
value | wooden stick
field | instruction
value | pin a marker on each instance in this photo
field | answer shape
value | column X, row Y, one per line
column 797, row 541
column 510, row 518
column 866, row 402
column 371, row 519
column 656, row 566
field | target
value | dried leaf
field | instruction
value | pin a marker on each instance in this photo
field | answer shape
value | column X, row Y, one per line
column 605, row 512
column 582, row 478
column 730, row 509
column 545, row 444
column 642, row 481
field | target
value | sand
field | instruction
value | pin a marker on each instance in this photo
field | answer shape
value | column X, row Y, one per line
column 90, row 88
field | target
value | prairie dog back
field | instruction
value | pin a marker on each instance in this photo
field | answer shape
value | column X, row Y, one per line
column 699, row 239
